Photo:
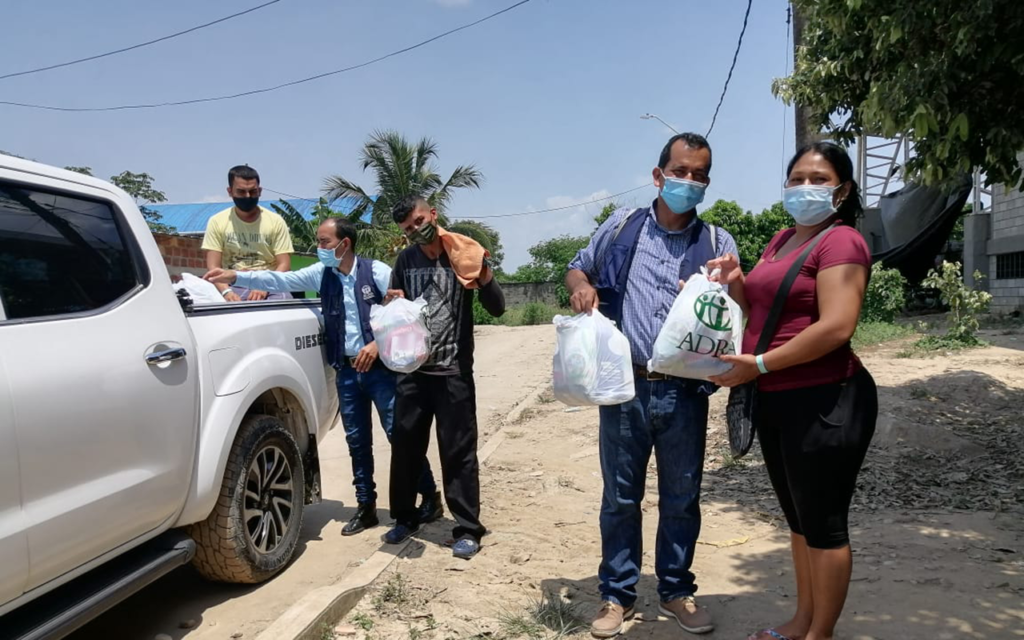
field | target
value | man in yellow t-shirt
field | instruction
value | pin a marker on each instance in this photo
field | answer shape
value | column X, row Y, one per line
column 247, row 237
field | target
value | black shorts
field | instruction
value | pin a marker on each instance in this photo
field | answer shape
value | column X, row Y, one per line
column 814, row 440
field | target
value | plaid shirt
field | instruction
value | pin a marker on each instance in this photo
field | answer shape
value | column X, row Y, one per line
column 653, row 282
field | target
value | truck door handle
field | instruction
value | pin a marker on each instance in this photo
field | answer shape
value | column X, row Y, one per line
column 159, row 357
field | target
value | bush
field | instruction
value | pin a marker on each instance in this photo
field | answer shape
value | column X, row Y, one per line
column 886, row 295
column 532, row 313
column 870, row 333
column 965, row 304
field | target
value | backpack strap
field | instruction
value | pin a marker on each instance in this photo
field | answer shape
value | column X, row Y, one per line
column 618, row 229
column 771, row 324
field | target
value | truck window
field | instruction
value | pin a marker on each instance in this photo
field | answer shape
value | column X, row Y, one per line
column 59, row 254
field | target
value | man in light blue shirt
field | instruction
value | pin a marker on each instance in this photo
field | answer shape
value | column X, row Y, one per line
column 349, row 286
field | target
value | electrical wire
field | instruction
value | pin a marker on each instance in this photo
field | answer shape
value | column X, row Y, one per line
column 288, row 195
column 253, row 92
column 504, row 215
column 137, row 46
column 735, row 57
column 571, row 206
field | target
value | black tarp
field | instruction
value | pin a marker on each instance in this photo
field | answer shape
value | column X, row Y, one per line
column 917, row 221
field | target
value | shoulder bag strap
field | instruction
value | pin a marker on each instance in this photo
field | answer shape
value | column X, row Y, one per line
column 771, row 324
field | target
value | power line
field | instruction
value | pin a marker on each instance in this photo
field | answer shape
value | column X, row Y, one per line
column 735, row 57
column 288, row 195
column 137, row 46
column 503, row 215
column 571, row 206
column 273, row 88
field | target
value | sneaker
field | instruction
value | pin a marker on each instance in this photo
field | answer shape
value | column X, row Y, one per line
column 465, row 548
column 609, row 620
column 400, row 533
column 431, row 508
column 364, row 518
column 690, row 617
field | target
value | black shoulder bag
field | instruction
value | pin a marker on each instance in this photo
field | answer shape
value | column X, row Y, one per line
column 742, row 405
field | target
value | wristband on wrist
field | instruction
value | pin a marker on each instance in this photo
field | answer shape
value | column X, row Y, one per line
column 760, row 364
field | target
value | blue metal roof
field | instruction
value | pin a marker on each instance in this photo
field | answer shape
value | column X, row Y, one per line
column 192, row 218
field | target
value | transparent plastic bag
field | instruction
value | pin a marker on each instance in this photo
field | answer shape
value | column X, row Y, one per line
column 592, row 363
column 703, row 324
column 201, row 291
column 400, row 329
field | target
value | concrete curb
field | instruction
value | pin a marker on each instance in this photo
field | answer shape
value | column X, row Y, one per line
column 323, row 607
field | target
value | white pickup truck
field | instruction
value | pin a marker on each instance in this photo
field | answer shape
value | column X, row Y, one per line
column 138, row 432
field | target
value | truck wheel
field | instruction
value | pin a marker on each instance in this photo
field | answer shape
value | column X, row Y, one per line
column 254, row 527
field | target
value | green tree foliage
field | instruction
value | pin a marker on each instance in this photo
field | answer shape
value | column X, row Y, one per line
column 946, row 73
column 886, row 295
column 550, row 262
column 140, row 187
column 965, row 304
column 751, row 232
column 85, row 171
column 606, row 212
column 303, row 231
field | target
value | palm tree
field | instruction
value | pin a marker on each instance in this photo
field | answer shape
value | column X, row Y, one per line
column 401, row 169
column 303, row 231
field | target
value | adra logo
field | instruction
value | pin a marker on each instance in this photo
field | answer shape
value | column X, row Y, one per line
column 713, row 311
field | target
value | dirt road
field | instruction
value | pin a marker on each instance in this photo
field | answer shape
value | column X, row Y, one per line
column 938, row 525
column 510, row 364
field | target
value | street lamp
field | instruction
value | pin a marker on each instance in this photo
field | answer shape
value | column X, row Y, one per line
column 651, row 116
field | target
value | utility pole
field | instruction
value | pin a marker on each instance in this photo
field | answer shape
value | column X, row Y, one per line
column 805, row 132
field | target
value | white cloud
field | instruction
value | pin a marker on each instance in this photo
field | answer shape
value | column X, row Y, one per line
column 520, row 233
column 218, row 198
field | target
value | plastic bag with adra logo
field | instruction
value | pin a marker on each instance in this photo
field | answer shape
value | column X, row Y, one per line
column 592, row 363
column 400, row 330
column 703, row 324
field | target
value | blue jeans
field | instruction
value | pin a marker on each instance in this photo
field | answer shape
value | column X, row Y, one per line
column 671, row 418
column 355, row 393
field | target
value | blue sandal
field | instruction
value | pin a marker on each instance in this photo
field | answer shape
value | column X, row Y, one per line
column 771, row 632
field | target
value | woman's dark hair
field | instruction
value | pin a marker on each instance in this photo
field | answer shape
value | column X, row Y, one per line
column 850, row 209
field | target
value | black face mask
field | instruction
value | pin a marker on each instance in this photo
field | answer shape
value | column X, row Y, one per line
column 246, row 204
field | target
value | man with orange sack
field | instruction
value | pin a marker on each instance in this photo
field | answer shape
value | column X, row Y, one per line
column 444, row 268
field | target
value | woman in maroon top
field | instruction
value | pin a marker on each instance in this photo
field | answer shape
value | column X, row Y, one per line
column 817, row 404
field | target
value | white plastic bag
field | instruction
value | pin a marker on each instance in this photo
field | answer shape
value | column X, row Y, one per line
column 400, row 329
column 703, row 324
column 201, row 291
column 592, row 363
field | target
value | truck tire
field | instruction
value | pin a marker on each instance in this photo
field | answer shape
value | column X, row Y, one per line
column 254, row 527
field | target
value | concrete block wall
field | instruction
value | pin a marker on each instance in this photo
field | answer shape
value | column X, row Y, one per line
column 1007, row 236
column 1007, row 295
column 1007, row 212
column 520, row 293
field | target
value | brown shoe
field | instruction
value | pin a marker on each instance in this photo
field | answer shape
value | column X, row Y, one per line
column 609, row 620
column 689, row 616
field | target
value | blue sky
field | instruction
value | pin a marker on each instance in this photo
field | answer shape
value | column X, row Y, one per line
column 545, row 100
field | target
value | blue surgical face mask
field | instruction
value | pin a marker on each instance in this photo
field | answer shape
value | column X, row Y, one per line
column 810, row 205
column 682, row 196
column 328, row 258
